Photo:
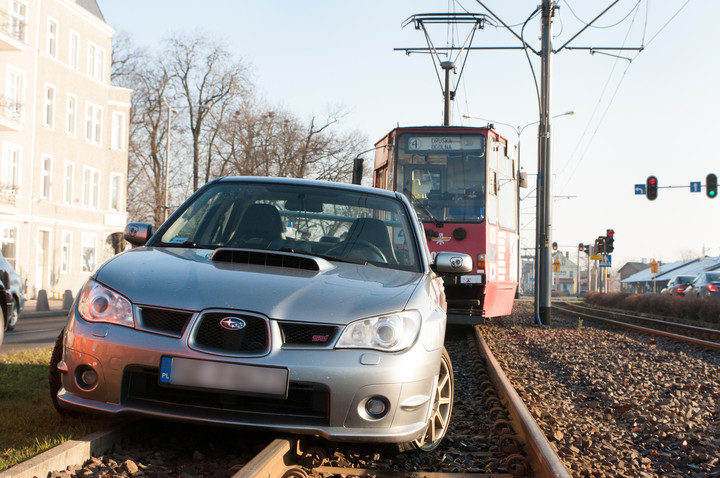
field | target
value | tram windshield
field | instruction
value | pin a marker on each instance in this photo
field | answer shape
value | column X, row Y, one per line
column 444, row 175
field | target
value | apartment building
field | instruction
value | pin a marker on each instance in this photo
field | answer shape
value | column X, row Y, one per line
column 63, row 142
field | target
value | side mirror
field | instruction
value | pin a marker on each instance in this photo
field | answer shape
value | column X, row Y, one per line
column 138, row 233
column 452, row 263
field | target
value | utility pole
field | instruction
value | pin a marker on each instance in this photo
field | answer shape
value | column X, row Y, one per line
column 543, row 271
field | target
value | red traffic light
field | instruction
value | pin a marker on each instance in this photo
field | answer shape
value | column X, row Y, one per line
column 652, row 188
column 610, row 233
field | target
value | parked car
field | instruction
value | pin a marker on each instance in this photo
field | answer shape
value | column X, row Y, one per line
column 705, row 284
column 282, row 304
column 677, row 285
column 13, row 289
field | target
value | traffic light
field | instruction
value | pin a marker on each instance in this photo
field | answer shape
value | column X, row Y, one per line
column 652, row 186
column 600, row 245
column 554, row 246
column 581, row 247
column 711, row 185
column 609, row 239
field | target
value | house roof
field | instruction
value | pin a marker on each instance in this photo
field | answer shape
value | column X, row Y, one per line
column 92, row 7
column 672, row 269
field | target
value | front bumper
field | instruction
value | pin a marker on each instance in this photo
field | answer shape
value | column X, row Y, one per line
column 327, row 391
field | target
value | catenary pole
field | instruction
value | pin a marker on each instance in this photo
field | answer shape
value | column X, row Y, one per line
column 543, row 285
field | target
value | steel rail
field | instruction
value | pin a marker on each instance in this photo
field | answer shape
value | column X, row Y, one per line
column 646, row 330
column 548, row 463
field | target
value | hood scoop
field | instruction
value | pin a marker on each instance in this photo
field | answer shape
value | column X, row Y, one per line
column 265, row 258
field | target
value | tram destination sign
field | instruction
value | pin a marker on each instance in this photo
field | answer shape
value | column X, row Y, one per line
column 445, row 143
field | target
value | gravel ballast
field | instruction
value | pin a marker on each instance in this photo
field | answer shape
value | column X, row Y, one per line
column 614, row 403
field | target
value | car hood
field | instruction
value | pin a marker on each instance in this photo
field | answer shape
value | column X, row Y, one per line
column 189, row 279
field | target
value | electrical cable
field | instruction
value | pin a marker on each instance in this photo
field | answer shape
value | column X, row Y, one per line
column 567, row 4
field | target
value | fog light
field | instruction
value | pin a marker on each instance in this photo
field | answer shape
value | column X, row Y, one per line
column 87, row 378
column 376, row 407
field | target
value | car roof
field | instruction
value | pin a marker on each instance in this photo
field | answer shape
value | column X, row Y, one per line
column 307, row 182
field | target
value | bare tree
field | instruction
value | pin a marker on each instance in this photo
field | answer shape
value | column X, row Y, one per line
column 207, row 78
column 218, row 123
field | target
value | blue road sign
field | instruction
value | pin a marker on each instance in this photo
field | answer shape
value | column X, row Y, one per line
column 694, row 186
column 640, row 189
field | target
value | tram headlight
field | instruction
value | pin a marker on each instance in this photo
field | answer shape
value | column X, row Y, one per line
column 387, row 333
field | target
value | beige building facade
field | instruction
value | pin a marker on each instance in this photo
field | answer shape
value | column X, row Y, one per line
column 63, row 142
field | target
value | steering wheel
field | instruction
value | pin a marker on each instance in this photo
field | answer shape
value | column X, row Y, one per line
column 359, row 249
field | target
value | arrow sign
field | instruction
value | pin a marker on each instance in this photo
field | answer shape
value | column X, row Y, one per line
column 695, row 186
column 640, row 189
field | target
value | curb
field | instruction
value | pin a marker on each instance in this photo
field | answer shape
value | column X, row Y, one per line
column 44, row 313
column 69, row 453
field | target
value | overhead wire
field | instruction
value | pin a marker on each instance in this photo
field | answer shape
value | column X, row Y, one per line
column 567, row 4
column 617, row 88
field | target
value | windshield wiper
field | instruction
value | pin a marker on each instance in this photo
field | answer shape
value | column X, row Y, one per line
column 188, row 244
column 417, row 203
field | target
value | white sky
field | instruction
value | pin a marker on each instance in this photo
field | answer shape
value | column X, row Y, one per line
column 661, row 120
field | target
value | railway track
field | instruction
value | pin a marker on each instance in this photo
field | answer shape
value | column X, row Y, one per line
column 491, row 435
column 709, row 338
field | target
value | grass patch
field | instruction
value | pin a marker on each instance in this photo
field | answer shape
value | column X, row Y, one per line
column 30, row 424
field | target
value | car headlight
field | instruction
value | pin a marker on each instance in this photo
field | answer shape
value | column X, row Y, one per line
column 388, row 333
column 97, row 303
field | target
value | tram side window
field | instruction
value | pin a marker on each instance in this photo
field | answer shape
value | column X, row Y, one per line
column 507, row 191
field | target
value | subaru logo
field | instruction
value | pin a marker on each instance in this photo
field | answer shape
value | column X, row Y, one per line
column 232, row 323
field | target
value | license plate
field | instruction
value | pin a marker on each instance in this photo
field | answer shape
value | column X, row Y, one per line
column 473, row 279
column 239, row 378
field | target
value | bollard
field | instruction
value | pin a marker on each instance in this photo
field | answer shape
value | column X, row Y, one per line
column 42, row 301
column 67, row 300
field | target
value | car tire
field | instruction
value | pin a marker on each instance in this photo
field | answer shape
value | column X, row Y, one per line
column 13, row 314
column 442, row 403
column 55, row 376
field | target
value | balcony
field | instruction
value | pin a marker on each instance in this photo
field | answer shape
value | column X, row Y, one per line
column 13, row 32
column 8, row 196
column 10, row 115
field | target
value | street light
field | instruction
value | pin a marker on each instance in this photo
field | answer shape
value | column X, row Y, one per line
column 519, row 131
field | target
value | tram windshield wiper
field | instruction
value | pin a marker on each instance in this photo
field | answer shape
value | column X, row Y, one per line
column 417, row 203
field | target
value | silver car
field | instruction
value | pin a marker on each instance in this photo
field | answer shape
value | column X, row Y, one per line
column 291, row 305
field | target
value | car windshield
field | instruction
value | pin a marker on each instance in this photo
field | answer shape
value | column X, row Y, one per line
column 713, row 276
column 335, row 223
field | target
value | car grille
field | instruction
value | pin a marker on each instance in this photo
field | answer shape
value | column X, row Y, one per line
column 211, row 336
column 305, row 405
column 307, row 334
column 264, row 258
column 166, row 321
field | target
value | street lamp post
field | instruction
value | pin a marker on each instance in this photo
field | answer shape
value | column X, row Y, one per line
column 518, row 131
column 167, row 160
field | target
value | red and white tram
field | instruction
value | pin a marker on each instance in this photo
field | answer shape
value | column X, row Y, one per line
column 462, row 182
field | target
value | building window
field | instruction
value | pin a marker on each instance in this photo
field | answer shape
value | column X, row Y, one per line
column 52, row 33
column 88, row 252
column 93, row 123
column 8, row 235
column 71, row 115
column 115, row 191
column 12, row 156
column 68, row 182
column 49, row 106
column 74, row 59
column 18, row 21
column 96, row 62
column 65, row 252
column 91, row 188
column 14, row 93
column 118, row 130
column 46, row 176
